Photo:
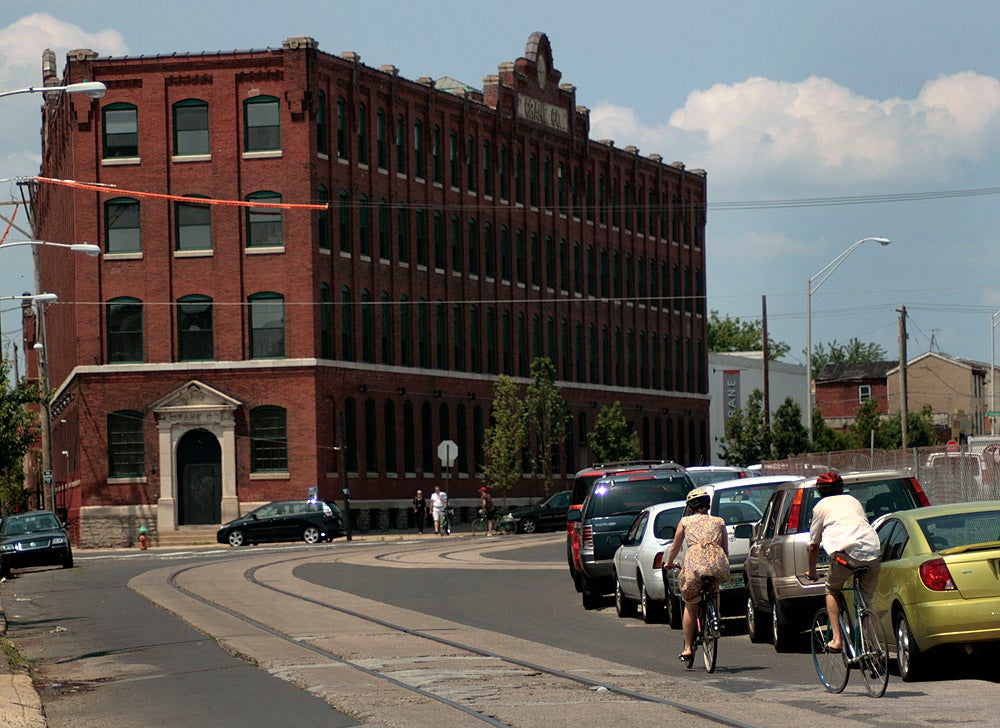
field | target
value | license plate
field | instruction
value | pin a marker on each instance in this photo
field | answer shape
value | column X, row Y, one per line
column 734, row 582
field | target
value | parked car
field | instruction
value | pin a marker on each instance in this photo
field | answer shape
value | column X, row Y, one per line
column 35, row 538
column 638, row 562
column 583, row 481
column 708, row 474
column 311, row 521
column 967, row 471
column 938, row 583
column 776, row 564
column 606, row 516
column 548, row 515
column 737, row 502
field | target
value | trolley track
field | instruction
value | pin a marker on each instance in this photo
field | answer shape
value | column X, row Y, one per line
column 468, row 707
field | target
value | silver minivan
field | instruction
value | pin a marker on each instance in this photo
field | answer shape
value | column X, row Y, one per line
column 776, row 564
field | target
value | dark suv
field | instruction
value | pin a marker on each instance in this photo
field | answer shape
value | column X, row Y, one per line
column 583, row 481
column 606, row 516
column 775, row 567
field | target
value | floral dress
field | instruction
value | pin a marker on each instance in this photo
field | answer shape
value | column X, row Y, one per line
column 703, row 536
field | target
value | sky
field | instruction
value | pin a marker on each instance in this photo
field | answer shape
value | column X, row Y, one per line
column 819, row 124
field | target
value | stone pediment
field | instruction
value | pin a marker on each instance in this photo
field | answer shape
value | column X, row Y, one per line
column 194, row 395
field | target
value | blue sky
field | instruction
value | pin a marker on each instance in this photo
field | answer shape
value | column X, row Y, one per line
column 886, row 116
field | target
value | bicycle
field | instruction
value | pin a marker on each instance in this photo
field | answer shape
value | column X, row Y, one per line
column 500, row 525
column 708, row 627
column 862, row 649
column 444, row 524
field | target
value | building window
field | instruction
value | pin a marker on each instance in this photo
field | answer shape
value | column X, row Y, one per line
column 193, row 226
column 520, row 253
column 346, row 325
column 322, row 143
column 453, row 157
column 457, row 338
column 456, row 243
column 383, row 229
column 423, row 336
column 409, row 439
column 389, row 436
column 364, row 226
column 325, row 322
column 341, row 127
column 264, row 227
column 864, row 392
column 121, row 226
column 400, row 145
column 124, row 330
column 418, row 150
column 489, row 254
column 536, row 261
column 190, row 127
column 262, row 118
column 267, row 325
column 491, row 333
column 362, row 134
column 533, row 180
column 404, row 332
column 121, row 131
column 504, row 253
column 268, row 439
column 323, row 218
column 421, row 237
column 381, row 143
column 367, row 338
column 351, row 435
column 344, row 225
column 441, row 343
column 470, row 163
column 504, row 176
column 195, row 334
column 438, row 240
column 473, row 243
column 475, row 362
column 126, row 444
column 386, row 332
column 487, row 169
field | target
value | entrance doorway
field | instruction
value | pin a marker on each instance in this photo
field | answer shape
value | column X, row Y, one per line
column 199, row 465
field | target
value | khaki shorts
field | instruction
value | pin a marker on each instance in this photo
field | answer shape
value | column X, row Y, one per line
column 839, row 574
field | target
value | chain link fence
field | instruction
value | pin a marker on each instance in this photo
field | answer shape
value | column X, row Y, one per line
column 946, row 477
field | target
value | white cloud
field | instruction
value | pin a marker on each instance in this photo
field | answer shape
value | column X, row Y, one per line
column 818, row 133
column 22, row 43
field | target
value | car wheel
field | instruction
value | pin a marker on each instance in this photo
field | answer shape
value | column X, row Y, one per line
column 652, row 611
column 577, row 580
column 236, row 538
column 68, row 560
column 311, row 534
column 755, row 621
column 4, row 572
column 591, row 600
column 624, row 607
column 783, row 635
column 528, row 525
column 908, row 655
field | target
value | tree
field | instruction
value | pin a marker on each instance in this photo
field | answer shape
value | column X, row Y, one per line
column 919, row 429
column 19, row 429
column 825, row 439
column 747, row 439
column 853, row 352
column 867, row 421
column 613, row 439
column 788, row 435
column 504, row 439
column 546, row 420
column 733, row 334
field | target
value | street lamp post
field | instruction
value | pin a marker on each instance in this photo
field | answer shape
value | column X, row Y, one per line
column 86, row 248
column 994, row 320
column 93, row 89
column 819, row 279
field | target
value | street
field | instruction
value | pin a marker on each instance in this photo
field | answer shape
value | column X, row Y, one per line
column 104, row 652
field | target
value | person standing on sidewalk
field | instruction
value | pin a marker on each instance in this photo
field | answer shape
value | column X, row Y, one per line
column 487, row 508
column 439, row 501
column 419, row 510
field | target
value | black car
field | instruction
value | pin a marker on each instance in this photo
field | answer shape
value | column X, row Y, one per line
column 36, row 538
column 311, row 521
column 548, row 515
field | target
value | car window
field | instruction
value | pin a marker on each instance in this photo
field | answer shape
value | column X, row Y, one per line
column 736, row 512
column 666, row 522
column 892, row 536
column 617, row 499
column 30, row 524
column 742, row 504
column 271, row 509
column 638, row 528
column 559, row 500
column 883, row 496
column 962, row 529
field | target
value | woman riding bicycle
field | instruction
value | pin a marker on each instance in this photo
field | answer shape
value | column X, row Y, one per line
column 707, row 556
column 840, row 524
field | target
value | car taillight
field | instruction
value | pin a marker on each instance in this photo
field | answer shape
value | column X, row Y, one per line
column 658, row 561
column 587, row 538
column 795, row 512
column 921, row 496
column 936, row 576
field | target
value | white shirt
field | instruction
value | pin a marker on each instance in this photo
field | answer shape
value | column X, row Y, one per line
column 439, row 500
column 839, row 523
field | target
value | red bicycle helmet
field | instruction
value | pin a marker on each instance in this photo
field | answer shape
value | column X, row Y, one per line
column 829, row 483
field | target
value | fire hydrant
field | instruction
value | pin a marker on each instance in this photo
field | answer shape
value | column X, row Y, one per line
column 143, row 545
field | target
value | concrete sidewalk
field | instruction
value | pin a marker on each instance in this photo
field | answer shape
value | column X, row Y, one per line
column 20, row 704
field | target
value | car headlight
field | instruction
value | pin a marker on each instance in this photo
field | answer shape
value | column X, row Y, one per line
column 58, row 540
column 7, row 548
column 508, row 517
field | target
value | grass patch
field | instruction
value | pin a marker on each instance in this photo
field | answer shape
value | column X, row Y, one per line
column 16, row 661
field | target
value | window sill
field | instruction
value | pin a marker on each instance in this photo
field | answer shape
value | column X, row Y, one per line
column 276, row 475
column 126, row 479
column 266, row 250
column 324, row 251
column 120, row 161
column 124, row 255
column 264, row 154
column 182, row 158
column 208, row 253
column 322, row 155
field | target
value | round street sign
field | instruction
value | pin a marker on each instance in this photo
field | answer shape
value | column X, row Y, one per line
column 447, row 452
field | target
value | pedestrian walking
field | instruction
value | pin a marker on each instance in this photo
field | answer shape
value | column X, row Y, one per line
column 419, row 510
column 439, row 501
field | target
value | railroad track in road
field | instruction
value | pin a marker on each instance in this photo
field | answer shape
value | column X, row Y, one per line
column 324, row 640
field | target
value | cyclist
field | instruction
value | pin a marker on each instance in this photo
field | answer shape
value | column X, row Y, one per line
column 840, row 525
column 707, row 556
column 487, row 509
column 439, row 502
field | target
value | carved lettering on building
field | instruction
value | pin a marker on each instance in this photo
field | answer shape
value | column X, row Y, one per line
column 730, row 393
column 542, row 113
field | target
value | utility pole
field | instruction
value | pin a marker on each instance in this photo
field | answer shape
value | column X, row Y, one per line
column 903, row 414
column 767, row 371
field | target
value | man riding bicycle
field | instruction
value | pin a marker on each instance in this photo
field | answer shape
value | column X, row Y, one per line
column 840, row 525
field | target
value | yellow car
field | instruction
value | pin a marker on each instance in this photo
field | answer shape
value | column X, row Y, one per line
column 940, row 580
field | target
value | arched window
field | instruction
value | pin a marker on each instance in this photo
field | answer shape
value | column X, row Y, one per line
column 426, row 438
column 409, row 439
column 125, row 337
column 122, row 232
column 268, row 439
column 381, row 143
column 267, row 325
column 195, row 329
column 362, row 134
column 192, row 225
column 190, row 128
column 342, row 127
column 126, row 444
column 120, row 123
column 264, row 224
column 262, row 124
column 322, row 130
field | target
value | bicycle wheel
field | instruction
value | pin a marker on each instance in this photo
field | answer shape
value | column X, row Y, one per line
column 874, row 658
column 709, row 633
column 831, row 667
column 478, row 526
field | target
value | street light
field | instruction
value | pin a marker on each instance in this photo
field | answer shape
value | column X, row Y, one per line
column 93, row 89
column 87, row 248
column 820, row 279
column 994, row 320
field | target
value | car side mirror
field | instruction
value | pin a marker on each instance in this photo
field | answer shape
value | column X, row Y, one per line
column 253, row 516
column 574, row 516
column 744, row 530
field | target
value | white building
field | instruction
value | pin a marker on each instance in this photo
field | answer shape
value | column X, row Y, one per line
column 731, row 379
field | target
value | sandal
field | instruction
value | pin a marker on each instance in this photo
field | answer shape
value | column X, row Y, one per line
column 688, row 658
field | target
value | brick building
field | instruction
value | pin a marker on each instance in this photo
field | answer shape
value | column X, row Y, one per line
column 841, row 389
column 302, row 252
